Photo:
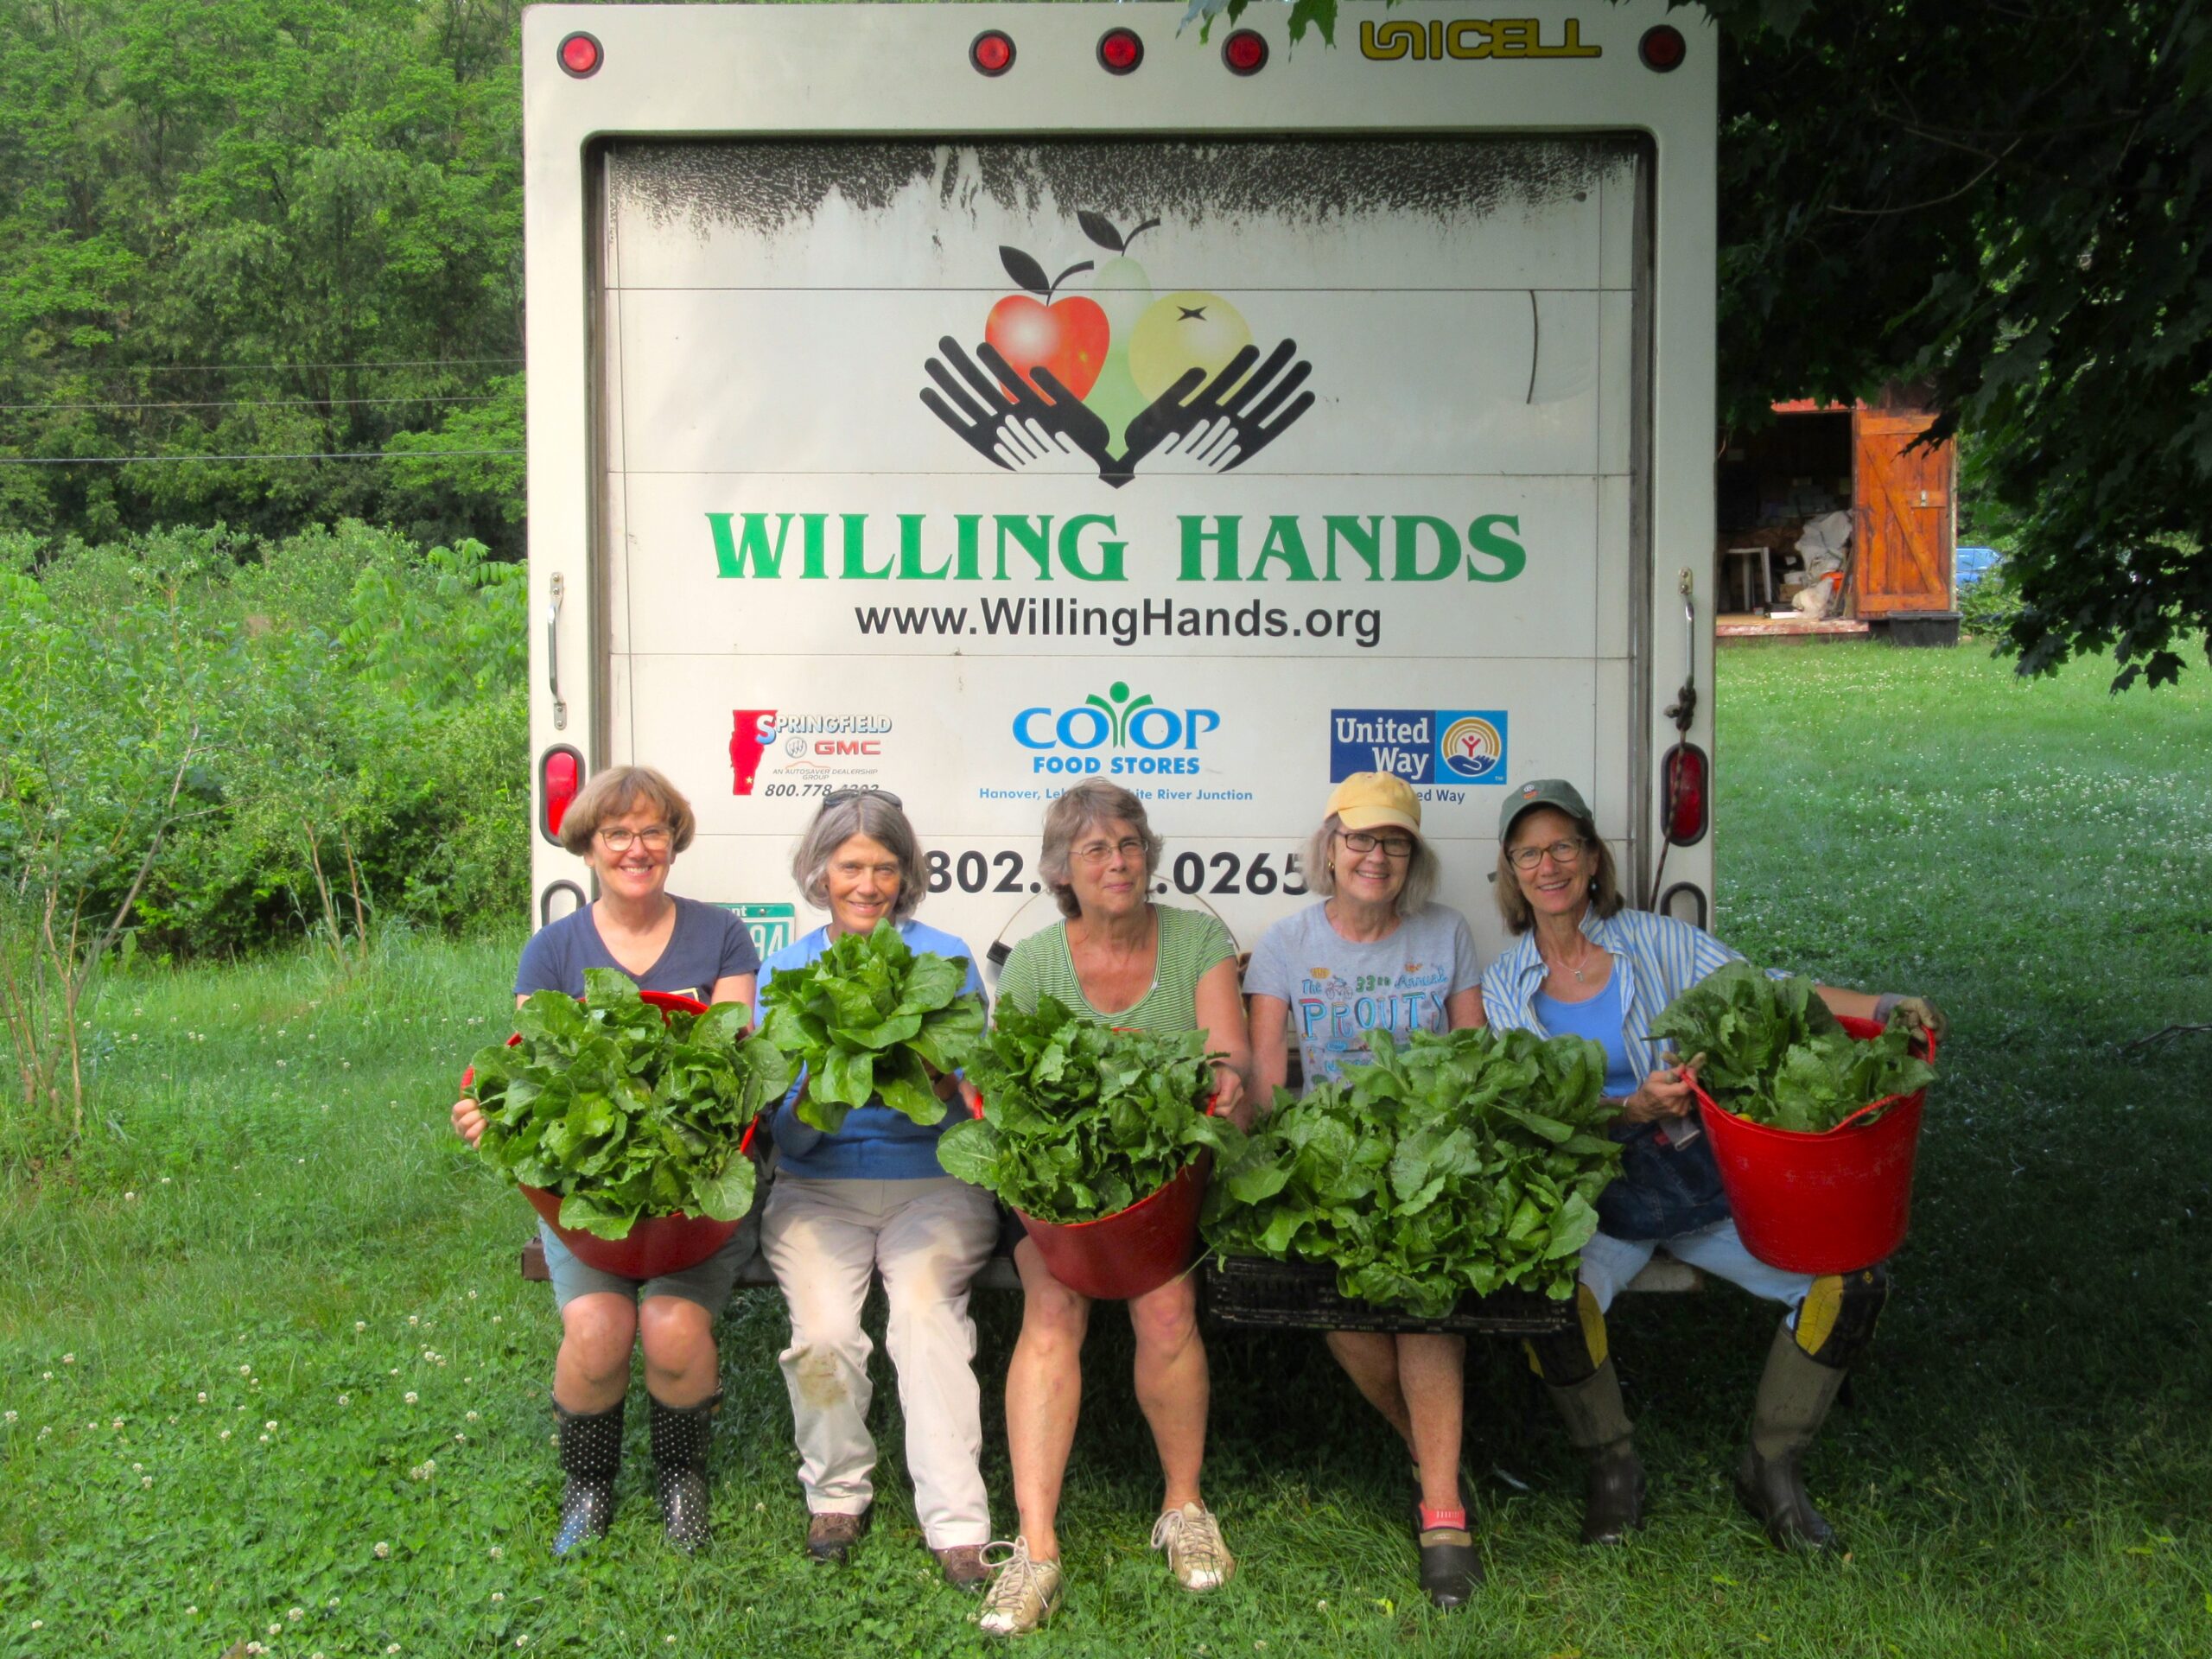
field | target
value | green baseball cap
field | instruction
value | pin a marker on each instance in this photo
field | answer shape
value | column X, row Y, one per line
column 1555, row 793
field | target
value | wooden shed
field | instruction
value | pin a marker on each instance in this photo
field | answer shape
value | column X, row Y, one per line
column 1819, row 459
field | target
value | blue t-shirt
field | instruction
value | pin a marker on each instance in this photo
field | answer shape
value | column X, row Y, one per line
column 875, row 1143
column 1599, row 1019
column 709, row 943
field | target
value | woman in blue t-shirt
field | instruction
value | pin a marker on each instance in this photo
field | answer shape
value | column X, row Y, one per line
column 628, row 825
column 1587, row 965
column 872, row 1199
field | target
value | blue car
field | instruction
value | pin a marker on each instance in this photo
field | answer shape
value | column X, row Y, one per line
column 1973, row 564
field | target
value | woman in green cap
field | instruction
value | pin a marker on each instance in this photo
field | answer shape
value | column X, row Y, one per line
column 1586, row 966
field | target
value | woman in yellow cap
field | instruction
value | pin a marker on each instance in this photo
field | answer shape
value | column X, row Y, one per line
column 1376, row 954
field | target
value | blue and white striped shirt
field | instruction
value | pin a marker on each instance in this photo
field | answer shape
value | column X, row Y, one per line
column 1658, row 958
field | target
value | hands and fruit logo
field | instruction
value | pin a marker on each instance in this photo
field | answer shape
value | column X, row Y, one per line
column 1117, row 379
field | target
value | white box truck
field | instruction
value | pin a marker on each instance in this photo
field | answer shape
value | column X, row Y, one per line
column 967, row 400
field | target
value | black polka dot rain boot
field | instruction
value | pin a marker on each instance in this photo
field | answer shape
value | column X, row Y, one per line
column 591, row 1456
column 682, row 1436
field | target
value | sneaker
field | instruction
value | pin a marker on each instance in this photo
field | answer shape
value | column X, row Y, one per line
column 1196, row 1554
column 1025, row 1593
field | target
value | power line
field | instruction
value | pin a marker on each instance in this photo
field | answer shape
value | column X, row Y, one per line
column 224, row 368
column 350, row 454
column 277, row 402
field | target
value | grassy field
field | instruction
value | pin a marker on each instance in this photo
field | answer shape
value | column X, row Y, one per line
column 269, row 1374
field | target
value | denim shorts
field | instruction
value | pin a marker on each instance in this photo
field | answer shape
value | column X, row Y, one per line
column 708, row 1284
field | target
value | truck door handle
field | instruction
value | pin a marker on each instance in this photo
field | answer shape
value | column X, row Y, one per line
column 555, row 590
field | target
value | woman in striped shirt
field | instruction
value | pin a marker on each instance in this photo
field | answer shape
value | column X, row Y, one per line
column 1122, row 960
column 1586, row 966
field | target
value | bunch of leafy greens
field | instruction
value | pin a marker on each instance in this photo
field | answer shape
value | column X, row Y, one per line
column 1080, row 1120
column 1470, row 1161
column 864, row 1015
column 1775, row 1054
column 624, row 1114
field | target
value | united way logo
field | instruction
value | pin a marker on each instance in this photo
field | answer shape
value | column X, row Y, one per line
column 1471, row 749
column 1422, row 746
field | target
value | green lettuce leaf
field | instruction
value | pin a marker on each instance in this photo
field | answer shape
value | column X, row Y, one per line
column 1462, row 1163
column 862, row 1018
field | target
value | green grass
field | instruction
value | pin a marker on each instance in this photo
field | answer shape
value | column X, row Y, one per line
column 273, row 1214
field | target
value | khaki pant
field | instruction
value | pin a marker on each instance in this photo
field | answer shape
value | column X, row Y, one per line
column 823, row 1239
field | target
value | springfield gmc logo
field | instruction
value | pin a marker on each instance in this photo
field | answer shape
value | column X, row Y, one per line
column 811, row 744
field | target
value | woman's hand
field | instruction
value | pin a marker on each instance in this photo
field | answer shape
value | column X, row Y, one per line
column 467, row 1121
column 1665, row 1093
column 1915, row 1014
column 1230, row 1099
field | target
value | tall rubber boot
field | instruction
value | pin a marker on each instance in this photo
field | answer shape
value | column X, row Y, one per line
column 682, row 1436
column 1794, row 1397
column 1596, row 1422
column 591, row 1456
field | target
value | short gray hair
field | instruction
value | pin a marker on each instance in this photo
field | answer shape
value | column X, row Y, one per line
column 1094, row 801
column 1422, row 869
column 837, row 823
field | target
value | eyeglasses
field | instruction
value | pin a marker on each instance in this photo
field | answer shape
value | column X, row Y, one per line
column 1098, row 852
column 654, row 839
column 839, row 797
column 1358, row 841
column 1562, row 852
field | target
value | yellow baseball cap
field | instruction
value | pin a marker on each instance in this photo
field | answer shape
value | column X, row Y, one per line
column 1372, row 800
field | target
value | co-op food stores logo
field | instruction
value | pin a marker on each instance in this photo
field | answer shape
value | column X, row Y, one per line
column 1065, row 741
column 1422, row 746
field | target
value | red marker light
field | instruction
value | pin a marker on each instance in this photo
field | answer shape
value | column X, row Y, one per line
column 1245, row 52
column 992, row 52
column 1686, row 777
column 560, row 776
column 1120, row 51
column 581, row 55
column 1662, row 48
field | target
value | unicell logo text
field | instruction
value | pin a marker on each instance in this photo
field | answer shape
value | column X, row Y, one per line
column 1064, row 741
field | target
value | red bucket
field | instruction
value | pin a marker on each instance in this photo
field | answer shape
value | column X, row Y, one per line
column 655, row 1244
column 1821, row 1204
column 1133, row 1250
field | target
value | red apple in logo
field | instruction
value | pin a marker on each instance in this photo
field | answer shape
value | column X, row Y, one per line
column 1068, row 337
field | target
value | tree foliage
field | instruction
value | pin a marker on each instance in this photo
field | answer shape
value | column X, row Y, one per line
column 2009, row 202
column 260, row 229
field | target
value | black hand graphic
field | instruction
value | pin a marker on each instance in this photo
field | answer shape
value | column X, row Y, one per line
column 1226, row 424
column 1010, row 422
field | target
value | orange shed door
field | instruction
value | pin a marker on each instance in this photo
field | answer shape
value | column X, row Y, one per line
column 1902, row 508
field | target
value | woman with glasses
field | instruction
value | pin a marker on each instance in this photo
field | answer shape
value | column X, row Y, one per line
column 628, row 825
column 1375, row 954
column 1587, row 965
column 871, row 1198
column 1120, row 959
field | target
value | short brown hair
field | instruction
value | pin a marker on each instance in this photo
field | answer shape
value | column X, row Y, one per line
column 618, row 789
column 1092, row 801
column 1605, row 886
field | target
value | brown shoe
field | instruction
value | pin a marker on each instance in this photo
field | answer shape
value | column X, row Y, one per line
column 830, row 1537
column 963, row 1567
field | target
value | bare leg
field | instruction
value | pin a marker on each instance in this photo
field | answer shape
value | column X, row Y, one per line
column 1371, row 1359
column 682, row 1369
column 591, row 1371
column 1433, row 1370
column 1172, row 1383
column 1044, row 1392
